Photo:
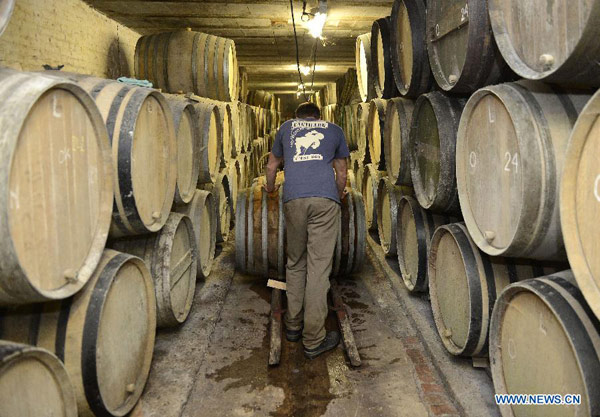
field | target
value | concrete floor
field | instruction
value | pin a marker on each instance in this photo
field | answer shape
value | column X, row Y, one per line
column 216, row 363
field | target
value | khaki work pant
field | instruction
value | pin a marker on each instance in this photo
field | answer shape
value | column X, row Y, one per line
column 312, row 228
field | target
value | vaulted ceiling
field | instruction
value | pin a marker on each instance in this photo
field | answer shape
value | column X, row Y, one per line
column 262, row 31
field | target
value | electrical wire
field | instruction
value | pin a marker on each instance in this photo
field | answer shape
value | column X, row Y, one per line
column 297, row 51
column 312, row 81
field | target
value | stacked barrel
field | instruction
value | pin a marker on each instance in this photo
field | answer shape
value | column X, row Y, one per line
column 470, row 114
column 115, row 197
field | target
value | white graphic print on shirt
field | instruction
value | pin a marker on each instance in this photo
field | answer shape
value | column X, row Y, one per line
column 311, row 140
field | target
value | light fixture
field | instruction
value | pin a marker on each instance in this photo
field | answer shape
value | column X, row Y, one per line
column 319, row 16
column 305, row 69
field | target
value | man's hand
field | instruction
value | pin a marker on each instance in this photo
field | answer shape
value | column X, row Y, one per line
column 343, row 194
column 275, row 188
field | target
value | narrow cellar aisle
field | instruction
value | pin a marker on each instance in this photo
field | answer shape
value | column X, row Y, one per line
column 218, row 360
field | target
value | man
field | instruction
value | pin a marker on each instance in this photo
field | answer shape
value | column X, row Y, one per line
column 309, row 148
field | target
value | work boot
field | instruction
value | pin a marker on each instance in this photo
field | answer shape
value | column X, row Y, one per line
column 330, row 342
column 293, row 335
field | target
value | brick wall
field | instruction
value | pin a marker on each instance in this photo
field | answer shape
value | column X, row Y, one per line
column 69, row 33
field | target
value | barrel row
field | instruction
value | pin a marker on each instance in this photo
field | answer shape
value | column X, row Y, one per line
column 472, row 44
column 189, row 62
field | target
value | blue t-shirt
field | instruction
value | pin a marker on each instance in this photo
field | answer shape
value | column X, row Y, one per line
column 309, row 147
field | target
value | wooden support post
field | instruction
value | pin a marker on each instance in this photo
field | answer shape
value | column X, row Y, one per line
column 275, row 327
column 345, row 328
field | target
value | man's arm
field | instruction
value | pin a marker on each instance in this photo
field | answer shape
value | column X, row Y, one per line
column 341, row 175
column 272, row 165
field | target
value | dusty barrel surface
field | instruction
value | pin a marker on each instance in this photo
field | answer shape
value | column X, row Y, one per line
column 396, row 140
column 187, row 61
column 376, row 128
column 187, row 130
column 349, row 253
column 145, row 161
column 104, row 335
column 539, row 322
column 172, row 257
column 33, row 382
column 234, row 171
column 433, row 151
column 510, row 156
column 364, row 75
column 369, row 187
column 6, row 10
column 464, row 284
column 201, row 211
column 389, row 196
column 362, row 123
column 381, row 59
column 415, row 228
column 221, row 192
column 580, row 202
column 462, row 50
column 558, row 43
column 408, row 44
column 211, row 133
column 57, row 182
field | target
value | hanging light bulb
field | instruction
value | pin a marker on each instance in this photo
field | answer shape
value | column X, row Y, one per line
column 316, row 24
column 305, row 70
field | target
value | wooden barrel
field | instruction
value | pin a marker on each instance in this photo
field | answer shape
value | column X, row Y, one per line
column 388, row 197
column 236, row 145
column 187, row 129
column 6, row 10
column 558, row 44
column 376, row 127
column 223, row 205
column 580, row 202
column 362, row 123
column 33, row 382
column 260, row 234
column 358, row 169
column 462, row 50
column 243, row 174
column 509, row 177
column 541, row 322
column 187, row 61
column 227, row 139
column 349, row 252
column 464, row 284
column 260, row 98
column 171, row 255
column 243, row 84
column 366, row 86
column 104, row 335
column 260, row 231
column 145, row 161
column 415, row 227
column 381, row 59
column 56, row 173
column 433, row 149
column 211, row 130
column 396, row 139
column 201, row 210
column 370, row 184
column 408, row 47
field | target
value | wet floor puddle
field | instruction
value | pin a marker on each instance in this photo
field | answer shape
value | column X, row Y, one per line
column 308, row 385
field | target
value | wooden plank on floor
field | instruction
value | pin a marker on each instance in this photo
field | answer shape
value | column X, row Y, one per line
column 275, row 328
column 345, row 327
